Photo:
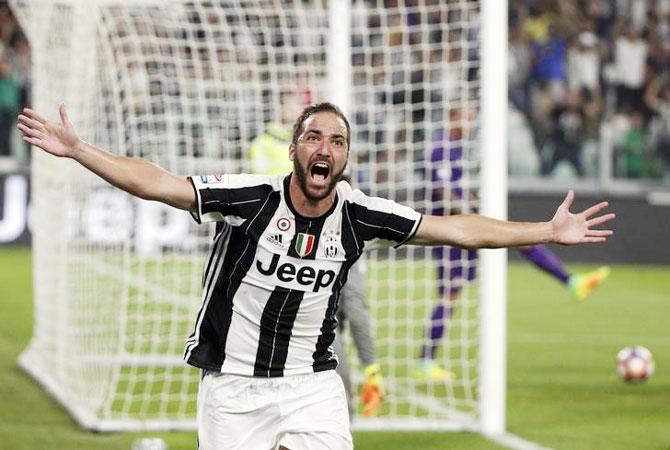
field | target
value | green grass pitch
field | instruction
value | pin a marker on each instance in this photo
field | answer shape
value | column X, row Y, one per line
column 563, row 392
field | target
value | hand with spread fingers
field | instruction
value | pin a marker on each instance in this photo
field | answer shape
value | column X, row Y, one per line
column 59, row 139
column 577, row 228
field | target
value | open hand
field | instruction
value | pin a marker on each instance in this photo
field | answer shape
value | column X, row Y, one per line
column 59, row 139
column 576, row 228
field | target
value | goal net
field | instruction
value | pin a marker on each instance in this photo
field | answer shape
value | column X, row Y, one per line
column 188, row 85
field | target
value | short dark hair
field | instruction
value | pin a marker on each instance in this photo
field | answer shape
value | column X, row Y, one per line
column 316, row 108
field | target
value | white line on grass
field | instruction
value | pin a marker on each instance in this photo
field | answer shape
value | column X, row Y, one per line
column 448, row 419
column 514, row 442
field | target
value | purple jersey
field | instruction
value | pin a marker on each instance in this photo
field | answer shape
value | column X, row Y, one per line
column 446, row 173
column 455, row 265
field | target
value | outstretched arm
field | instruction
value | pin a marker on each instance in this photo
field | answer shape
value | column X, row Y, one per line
column 474, row 231
column 135, row 176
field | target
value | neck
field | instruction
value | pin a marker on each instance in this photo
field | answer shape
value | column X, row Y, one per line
column 305, row 206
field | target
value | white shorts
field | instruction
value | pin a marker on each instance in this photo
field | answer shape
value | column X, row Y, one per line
column 298, row 412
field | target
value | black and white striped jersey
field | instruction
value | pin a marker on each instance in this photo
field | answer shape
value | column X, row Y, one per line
column 272, row 280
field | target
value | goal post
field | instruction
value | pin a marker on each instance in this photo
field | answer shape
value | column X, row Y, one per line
column 493, row 339
column 188, row 85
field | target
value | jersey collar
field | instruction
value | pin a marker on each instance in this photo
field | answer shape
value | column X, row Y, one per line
column 287, row 196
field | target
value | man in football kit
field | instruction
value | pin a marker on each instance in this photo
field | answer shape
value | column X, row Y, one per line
column 264, row 332
column 268, row 155
column 455, row 266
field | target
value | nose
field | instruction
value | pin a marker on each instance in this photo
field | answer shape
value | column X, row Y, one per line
column 325, row 149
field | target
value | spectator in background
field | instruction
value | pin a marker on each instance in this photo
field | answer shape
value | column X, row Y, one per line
column 603, row 15
column 14, row 80
column 630, row 56
column 518, row 69
column 540, row 17
column 592, row 106
column 611, row 78
column 632, row 156
column 584, row 63
column 540, row 118
column 548, row 81
column 10, row 97
column 657, row 99
column 658, row 50
column 568, row 119
column 661, row 14
column 549, row 59
column 8, row 23
column 22, row 66
column 636, row 11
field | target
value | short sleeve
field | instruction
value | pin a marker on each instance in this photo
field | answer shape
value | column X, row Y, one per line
column 229, row 198
column 383, row 223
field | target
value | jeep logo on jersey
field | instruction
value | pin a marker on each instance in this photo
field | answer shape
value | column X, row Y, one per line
column 304, row 276
column 304, row 244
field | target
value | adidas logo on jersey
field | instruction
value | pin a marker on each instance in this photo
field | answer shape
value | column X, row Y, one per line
column 275, row 239
column 306, row 276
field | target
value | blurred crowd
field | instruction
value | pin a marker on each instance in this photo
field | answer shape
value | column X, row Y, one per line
column 14, row 82
column 580, row 69
column 581, row 72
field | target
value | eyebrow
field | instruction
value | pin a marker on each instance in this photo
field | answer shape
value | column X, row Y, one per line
column 320, row 133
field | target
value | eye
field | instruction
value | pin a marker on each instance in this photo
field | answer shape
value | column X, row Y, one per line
column 312, row 137
column 338, row 142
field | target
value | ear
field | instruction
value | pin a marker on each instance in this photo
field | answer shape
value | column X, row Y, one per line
column 291, row 152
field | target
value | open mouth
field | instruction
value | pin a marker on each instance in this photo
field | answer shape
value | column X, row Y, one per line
column 319, row 171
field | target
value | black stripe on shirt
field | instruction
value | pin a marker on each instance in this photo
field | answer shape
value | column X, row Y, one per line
column 323, row 357
column 222, row 229
column 210, row 351
column 275, row 332
column 219, row 252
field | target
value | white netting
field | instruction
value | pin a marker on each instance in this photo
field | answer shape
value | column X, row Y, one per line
column 188, row 84
column 415, row 90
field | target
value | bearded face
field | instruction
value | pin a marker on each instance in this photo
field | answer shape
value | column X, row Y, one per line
column 318, row 172
column 320, row 155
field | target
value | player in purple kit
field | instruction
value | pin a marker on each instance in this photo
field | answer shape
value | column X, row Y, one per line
column 449, row 194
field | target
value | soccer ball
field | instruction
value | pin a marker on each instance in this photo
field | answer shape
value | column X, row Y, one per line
column 635, row 363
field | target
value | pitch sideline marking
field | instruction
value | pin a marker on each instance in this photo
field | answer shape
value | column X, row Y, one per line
column 513, row 441
column 508, row 440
